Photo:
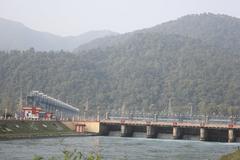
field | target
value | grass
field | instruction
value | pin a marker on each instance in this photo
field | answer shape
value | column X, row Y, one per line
column 28, row 129
column 232, row 156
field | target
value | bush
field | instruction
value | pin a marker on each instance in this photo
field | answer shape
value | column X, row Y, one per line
column 72, row 155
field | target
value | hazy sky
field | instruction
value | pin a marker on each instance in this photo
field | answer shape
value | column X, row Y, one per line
column 73, row 17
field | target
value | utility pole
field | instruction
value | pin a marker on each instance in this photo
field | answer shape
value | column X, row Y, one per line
column 85, row 110
column 191, row 110
column 170, row 106
column 5, row 114
column 123, row 109
column 98, row 113
column 20, row 101
column 86, row 106
column 170, row 95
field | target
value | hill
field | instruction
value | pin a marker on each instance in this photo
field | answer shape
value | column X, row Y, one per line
column 215, row 30
column 19, row 37
column 142, row 71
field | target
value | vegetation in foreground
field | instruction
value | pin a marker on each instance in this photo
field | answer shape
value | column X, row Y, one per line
column 232, row 156
column 77, row 155
column 72, row 155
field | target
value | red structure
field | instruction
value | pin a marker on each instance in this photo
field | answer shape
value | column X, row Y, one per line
column 31, row 112
column 80, row 128
column 48, row 116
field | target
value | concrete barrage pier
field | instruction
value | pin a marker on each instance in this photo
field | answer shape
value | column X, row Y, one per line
column 179, row 130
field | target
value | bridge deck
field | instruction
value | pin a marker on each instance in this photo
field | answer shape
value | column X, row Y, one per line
column 171, row 124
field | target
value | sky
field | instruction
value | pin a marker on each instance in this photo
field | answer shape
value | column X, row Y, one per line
column 74, row 17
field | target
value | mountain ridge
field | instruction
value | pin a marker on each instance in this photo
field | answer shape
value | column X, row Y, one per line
column 212, row 23
column 143, row 71
column 17, row 36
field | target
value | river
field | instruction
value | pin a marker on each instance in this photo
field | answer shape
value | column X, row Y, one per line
column 116, row 148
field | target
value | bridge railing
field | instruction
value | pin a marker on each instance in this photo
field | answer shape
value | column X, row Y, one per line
column 176, row 118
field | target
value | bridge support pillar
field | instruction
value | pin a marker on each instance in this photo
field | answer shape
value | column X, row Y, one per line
column 177, row 133
column 126, row 131
column 103, row 130
column 203, row 134
column 151, row 132
column 231, row 136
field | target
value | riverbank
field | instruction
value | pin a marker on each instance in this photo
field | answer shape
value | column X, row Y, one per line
column 232, row 156
column 36, row 136
column 15, row 129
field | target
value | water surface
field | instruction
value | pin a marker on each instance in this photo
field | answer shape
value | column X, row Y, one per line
column 116, row 148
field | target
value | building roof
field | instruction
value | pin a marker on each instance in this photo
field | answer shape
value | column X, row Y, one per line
column 51, row 100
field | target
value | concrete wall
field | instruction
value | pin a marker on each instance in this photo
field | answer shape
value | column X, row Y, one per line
column 90, row 126
column 69, row 124
column 93, row 127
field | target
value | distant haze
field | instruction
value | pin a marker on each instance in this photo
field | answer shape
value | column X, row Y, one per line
column 17, row 36
column 73, row 17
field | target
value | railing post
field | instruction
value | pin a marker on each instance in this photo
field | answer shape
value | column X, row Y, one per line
column 155, row 117
column 131, row 116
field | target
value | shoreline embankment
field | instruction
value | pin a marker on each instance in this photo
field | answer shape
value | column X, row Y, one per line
column 27, row 129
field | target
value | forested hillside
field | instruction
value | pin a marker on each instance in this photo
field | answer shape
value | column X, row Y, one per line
column 194, row 60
